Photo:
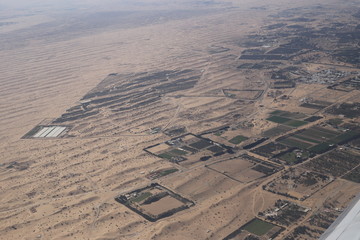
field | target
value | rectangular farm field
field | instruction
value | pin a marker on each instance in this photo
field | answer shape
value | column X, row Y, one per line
column 284, row 213
column 276, row 131
column 161, row 173
column 354, row 175
column 298, row 183
column 244, row 169
column 293, row 142
column 295, row 123
column 295, row 156
column 238, row 139
column 200, row 144
column 270, row 149
column 154, row 202
column 256, row 229
column 278, row 119
column 335, row 163
column 187, row 149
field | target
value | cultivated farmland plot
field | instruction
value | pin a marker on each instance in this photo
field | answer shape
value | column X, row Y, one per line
column 186, row 82
column 227, row 136
column 289, row 119
column 204, row 184
column 188, row 149
column 284, row 213
column 317, row 139
column 244, row 169
column 298, row 183
column 154, row 202
column 322, row 218
column 337, row 163
column 256, row 229
column 47, row 132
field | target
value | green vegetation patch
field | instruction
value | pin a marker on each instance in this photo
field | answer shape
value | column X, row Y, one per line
column 141, row 197
column 295, row 123
column 349, row 110
column 258, row 227
column 165, row 155
column 215, row 149
column 312, row 106
column 355, row 143
column 336, row 163
column 325, row 132
column 295, row 143
column 292, row 158
column 189, row 149
column 161, row 173
column 319, row 134
column 168, row 171
column 276, row 131
column 278, row 119
column 312, row 118
column 293, row 115
column 219, row 133
column 264, row 169
column 201, row 144
column 270, row 149
column 177, row 151
column 335, row 121
column 354, row 175
column 321, row 148
column 345, row 137
column 301, row 137
column 277, row 112
column 238, row 139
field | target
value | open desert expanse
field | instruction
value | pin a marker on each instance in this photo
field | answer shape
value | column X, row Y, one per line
column 185, row 119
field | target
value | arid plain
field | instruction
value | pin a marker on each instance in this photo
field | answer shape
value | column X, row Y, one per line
column 184, row 120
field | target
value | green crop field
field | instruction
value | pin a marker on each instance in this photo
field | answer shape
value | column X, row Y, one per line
column 238, row 139
column 189, row 149
column 345, row 137
column 200, row 144
column 276, row 130
column 168, row 171
column 178, row 152
column 215, row 149
column 295, row 123
column 277, row 112
column 318, row 135
column 291, row 157
column 277, row 119
column 165, row 155
column 292, row 115
column 295, row 143
column 301, row 137
column 325, row 132
column 141, row 197
column 258, row 227
column 321, row 148
column 354, row 175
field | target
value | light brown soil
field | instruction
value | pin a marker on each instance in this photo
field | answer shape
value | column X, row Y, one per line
column 50, row 59
column 163, row 205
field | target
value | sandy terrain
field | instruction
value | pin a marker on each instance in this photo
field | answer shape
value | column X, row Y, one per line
column 158, row 207
column 64, row 188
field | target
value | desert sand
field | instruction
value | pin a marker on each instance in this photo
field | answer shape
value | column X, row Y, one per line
column 65, row 188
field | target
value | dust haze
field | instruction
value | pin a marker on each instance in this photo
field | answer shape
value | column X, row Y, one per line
column 178, row 119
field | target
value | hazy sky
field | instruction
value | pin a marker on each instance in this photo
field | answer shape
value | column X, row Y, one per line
column 98, row 4
column 31, row 4
column 57, row 2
